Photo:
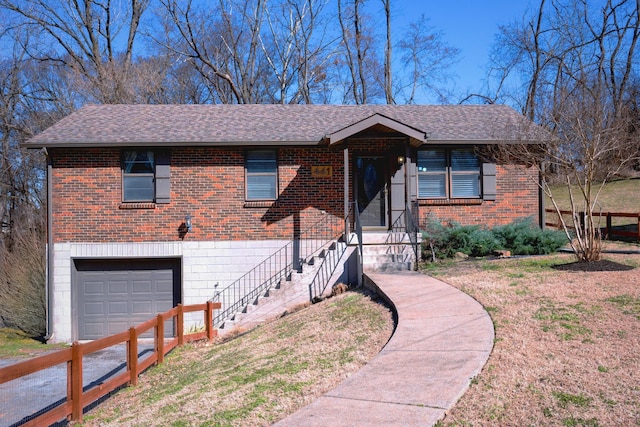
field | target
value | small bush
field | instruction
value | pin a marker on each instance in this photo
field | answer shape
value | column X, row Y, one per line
column 522, row 237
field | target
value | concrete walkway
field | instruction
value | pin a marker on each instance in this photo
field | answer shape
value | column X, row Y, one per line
column 442, row 340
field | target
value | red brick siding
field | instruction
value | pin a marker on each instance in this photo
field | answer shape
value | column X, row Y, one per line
column 207, row 183
column 517, row 198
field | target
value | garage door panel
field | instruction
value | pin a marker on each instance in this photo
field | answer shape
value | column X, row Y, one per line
column 94, row 329
column 143, row 307
column 164, row 286
column 162, row 306
column 118, row 308
column 115, row 295
column 119, row 287
column 94, row 288
column 94, row 308
column 142, row 287
column 115, row 327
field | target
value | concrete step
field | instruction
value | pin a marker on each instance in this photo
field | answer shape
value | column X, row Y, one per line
column 286, row 295
column 383, row 238
column 388, row 267
column 275, row 301
column 388, row 257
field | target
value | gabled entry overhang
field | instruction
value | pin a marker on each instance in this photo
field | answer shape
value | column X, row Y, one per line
column 416, row 137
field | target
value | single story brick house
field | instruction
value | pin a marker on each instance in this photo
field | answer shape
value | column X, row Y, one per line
column 154, row 205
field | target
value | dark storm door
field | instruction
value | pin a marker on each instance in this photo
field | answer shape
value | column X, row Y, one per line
column 371, row 191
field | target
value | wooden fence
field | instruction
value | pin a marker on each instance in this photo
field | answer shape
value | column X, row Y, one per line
column 77, row 399
column 609, row 230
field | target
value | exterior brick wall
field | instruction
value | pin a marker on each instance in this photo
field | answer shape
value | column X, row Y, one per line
column 206, row 183
column 517, row 198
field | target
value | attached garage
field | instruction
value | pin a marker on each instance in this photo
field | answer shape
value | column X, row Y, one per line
column 112, row 295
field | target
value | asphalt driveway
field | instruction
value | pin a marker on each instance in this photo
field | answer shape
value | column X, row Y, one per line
column 25, row 398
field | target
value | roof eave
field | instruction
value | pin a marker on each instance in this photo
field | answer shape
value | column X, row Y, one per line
column 116, row 144
column 436, row 141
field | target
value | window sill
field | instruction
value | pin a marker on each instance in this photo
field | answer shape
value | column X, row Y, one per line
column 260, row 203
column 137, row 205
column 449, row 202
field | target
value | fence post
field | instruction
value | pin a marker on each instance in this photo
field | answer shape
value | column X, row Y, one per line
column 180, row 320
column 160, row 339
column 76, row 382
column 208, row 320
column 133, row 355
column 609, row 226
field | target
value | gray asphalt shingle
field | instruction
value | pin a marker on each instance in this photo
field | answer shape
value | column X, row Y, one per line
column 255, row 124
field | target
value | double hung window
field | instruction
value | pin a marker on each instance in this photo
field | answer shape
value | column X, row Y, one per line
column 138, row 175
column 448, row 173
column 261, row 175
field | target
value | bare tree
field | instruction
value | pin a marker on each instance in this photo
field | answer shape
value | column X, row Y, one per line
column 388, row 80
column 223, row 43
column 22, row 205
column 358, row 51
column 83, row 36
column 426, row 59
column 297, row 52
column 575, row 63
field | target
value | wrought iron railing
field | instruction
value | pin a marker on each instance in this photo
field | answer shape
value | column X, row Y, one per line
column 274, row 269
column 406, row 226
column 330, row 260
column 358, row 229
column 413, row 228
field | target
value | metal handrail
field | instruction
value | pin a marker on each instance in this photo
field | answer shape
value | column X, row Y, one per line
column 412, row 231
column 406, row 224
column 275, row 268
column 331, row 259
column 358, row 227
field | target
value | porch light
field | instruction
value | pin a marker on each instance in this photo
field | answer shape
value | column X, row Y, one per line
column 400, row 160
column 187, row 222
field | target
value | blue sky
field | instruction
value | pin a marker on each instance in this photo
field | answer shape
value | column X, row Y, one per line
column 469, row 25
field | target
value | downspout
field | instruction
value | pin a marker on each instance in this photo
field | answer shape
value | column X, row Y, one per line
column 405, row 165
column 49, row 251
column 346, row 172
column 541, row 198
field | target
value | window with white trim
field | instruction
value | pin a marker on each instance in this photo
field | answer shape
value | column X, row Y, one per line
column 261, row 175
column 449, row 173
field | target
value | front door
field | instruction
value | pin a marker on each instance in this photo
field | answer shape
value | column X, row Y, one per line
column 371, row 191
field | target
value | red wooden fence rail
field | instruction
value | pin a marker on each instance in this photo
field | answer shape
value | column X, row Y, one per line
column 609, row 229
column 77, row 399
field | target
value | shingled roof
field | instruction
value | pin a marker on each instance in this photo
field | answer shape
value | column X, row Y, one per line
column 126, row 125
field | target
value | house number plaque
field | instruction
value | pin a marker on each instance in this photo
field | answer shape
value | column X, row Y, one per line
column 324, row 171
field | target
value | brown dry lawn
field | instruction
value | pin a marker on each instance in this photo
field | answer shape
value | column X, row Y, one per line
column 257, row 378
column 567, row 348
column 567, row 353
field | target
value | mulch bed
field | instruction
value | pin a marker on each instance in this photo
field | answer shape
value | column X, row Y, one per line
column 602, row 265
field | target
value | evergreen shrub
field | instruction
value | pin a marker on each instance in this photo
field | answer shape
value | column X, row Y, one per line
column 521, row 237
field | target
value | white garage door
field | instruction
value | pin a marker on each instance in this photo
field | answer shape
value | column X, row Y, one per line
column 115, row 295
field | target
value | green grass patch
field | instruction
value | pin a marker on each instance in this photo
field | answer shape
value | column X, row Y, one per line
column 565, row 399
column 628, row 304
column 616, row 196
column 580, row 422
column 14, row 343
column 564, row 321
